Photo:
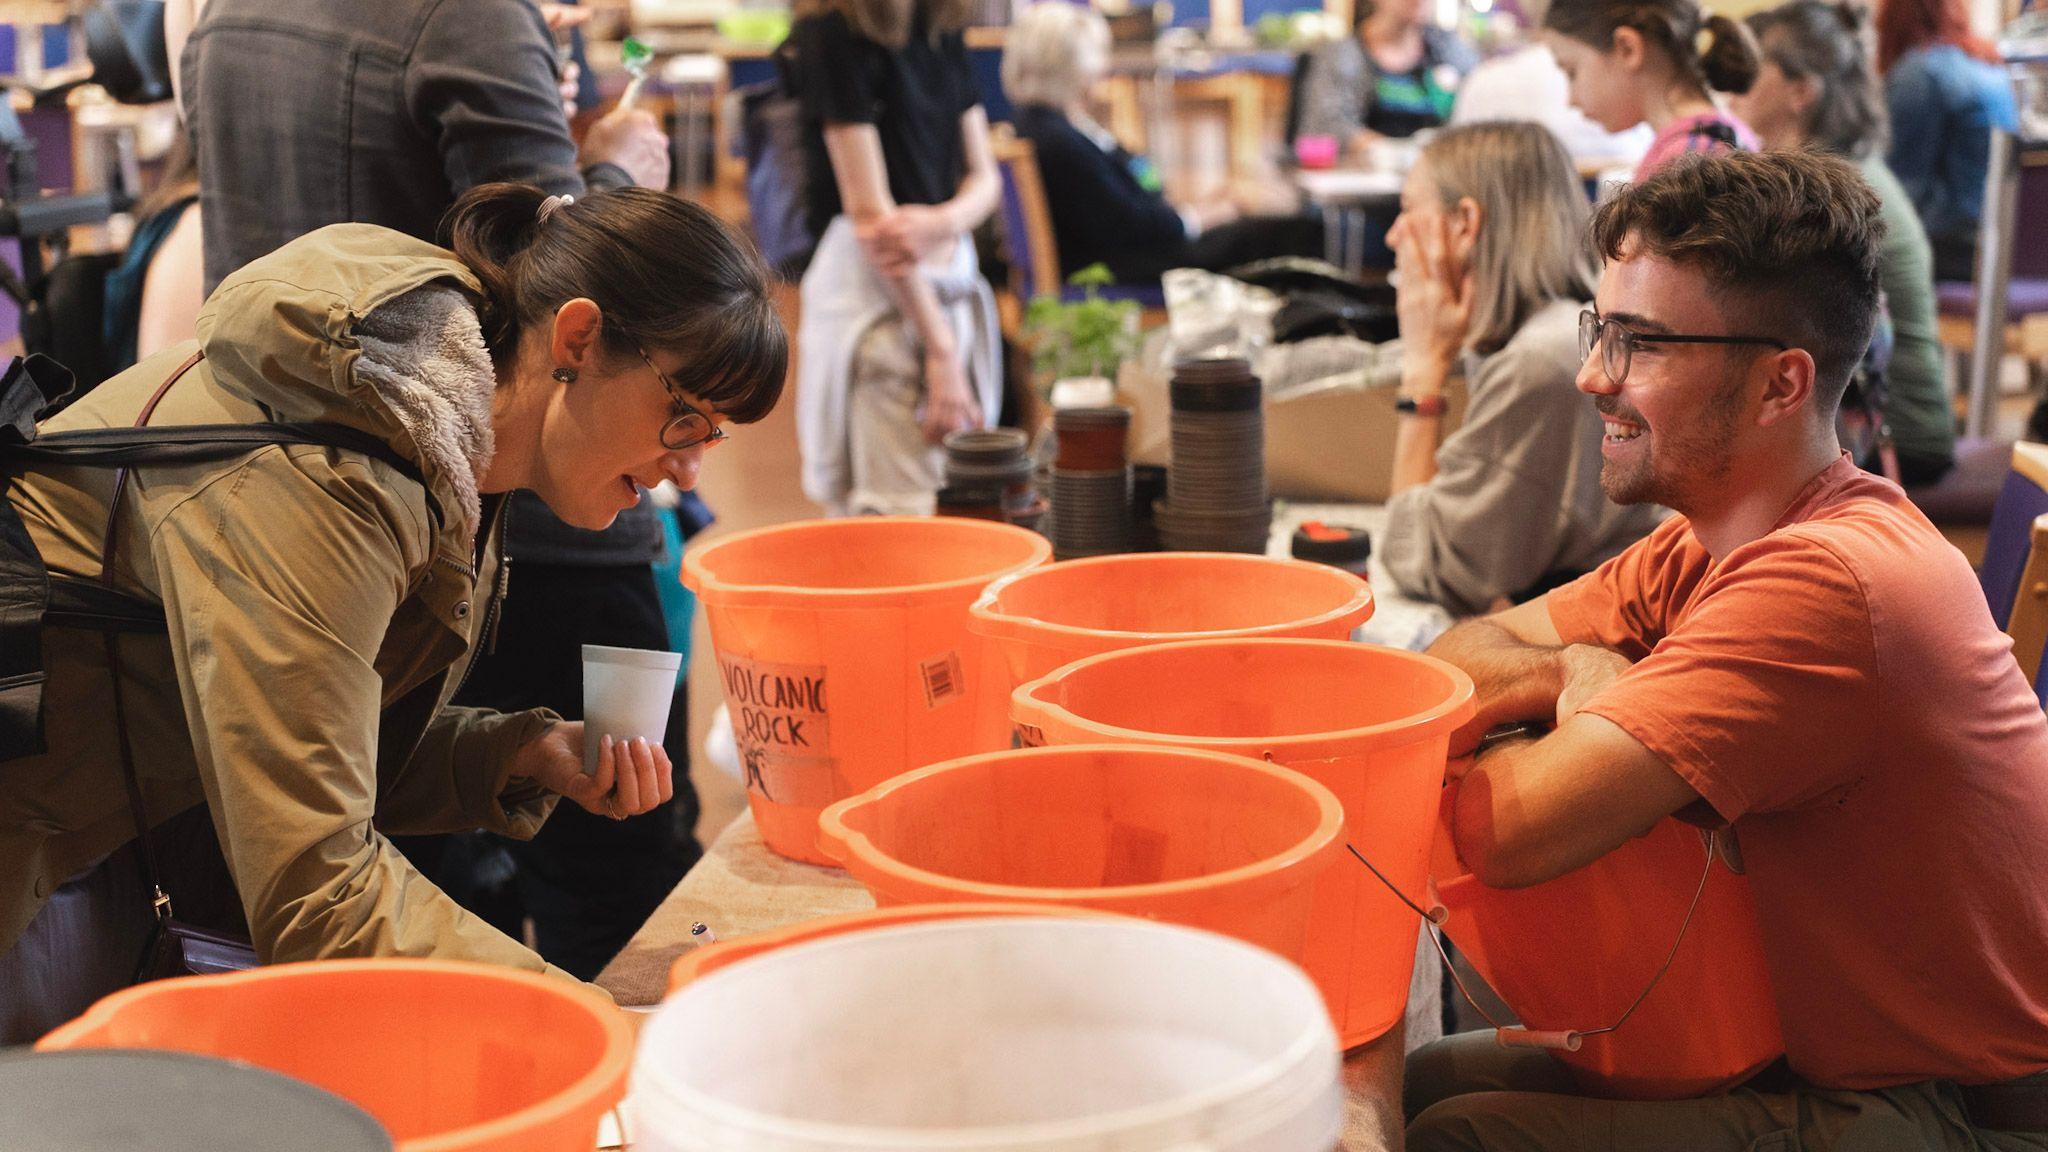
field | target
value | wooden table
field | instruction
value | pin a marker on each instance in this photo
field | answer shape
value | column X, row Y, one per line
column 740, row 887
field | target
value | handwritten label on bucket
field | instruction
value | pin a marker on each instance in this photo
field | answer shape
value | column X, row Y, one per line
column 942, row 679
column 784, row 733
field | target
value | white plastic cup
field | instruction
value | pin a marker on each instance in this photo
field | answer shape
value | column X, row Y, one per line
column 626, row 693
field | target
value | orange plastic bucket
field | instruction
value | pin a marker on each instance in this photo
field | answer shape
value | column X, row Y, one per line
column 1212, row 841
column 845, row 656
column 1057, row 614
column 448, row 1056
column 1370, row 724
column 700, row 962
column 1573, row 953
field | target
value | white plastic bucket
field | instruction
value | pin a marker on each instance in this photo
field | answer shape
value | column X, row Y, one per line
column 1009, row 1034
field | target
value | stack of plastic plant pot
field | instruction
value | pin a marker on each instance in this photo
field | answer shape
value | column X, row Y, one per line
column 989, row 476
column 1216, row 496
column 1091, row 483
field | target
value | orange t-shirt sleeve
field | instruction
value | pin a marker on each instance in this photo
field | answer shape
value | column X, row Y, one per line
column 1627, row 603
column 1762, row 696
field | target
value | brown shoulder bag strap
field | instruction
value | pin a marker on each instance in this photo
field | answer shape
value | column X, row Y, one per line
column 110, row 546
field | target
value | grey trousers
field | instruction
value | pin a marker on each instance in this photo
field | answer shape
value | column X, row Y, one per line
column 1465, row 1093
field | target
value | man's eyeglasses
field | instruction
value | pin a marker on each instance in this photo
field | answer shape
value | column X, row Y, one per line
column 691, row 425
column 1618, row 344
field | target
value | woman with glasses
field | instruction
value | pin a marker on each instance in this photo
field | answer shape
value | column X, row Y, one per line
column 1491, row 275
column 318, row 601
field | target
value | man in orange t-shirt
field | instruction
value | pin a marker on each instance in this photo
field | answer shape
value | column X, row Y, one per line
column 1798, row 654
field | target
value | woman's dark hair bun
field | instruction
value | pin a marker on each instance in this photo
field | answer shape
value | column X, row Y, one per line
column 489, row 226
column 1731, row 61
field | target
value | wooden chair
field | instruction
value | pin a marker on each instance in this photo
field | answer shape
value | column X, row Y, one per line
column 1034, row 253
column 2029, row 625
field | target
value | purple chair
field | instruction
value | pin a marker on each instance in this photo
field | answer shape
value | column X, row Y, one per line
column 2027, row 292
column 2026, row 289
column 2024, row 498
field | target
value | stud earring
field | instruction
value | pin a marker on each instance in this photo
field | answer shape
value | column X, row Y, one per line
column 565, row 375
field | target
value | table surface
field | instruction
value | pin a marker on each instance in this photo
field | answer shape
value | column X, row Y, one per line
column 1348, row 185
column 740, row 887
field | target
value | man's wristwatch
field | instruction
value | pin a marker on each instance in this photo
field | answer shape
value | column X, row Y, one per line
column 1425, row 406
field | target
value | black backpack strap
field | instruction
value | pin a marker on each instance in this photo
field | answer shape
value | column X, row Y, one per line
column 30, row 595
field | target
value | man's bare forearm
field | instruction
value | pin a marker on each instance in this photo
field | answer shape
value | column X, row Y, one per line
column 1514, row 679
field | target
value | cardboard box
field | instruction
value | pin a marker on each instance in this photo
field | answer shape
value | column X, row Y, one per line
column 1331, row 442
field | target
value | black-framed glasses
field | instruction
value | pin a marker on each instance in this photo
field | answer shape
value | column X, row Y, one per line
column 1617, row 343
column 691, row 425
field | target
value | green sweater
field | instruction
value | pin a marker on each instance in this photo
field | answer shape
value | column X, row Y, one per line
column 1921, row 415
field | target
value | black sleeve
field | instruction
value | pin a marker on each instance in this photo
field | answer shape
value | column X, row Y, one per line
column 961, row 63
column 834, row 81
column 1095, row 201
column 482, row 86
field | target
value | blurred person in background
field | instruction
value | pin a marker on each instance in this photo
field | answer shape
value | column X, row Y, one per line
column 1946, row 92
column 1108, row 206
column 1817, row 89
column 1525, row 83
column 1491, row 274
column 1633, row 63
column 1397, row 75
column 898, row 343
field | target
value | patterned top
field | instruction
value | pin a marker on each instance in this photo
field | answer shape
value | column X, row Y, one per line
column 1706, row 132
column 1344, row 91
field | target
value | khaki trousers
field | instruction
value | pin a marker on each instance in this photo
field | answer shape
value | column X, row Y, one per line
column 1466, row 1093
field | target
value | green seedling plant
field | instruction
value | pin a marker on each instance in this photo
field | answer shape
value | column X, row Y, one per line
column 1085, row 337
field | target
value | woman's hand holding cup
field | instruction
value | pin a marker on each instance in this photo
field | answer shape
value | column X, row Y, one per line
column 632, row 776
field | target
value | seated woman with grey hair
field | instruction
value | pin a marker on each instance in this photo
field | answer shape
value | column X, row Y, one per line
column 1492, row 272
column 1107, row 205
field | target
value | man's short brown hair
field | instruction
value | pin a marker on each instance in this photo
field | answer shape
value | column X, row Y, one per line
column 1790, row 241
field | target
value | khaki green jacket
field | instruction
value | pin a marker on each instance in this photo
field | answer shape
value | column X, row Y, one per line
column 306, row 589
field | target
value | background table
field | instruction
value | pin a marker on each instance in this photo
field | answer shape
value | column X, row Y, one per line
column 1348, row 198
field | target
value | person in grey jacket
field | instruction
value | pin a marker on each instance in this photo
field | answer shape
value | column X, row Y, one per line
column 1492, row 274
column 306, row 113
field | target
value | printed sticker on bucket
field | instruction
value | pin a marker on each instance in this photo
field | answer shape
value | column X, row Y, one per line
column 783, row 730
column 942, row 679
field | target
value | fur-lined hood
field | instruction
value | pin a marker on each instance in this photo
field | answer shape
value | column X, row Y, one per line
column 368, row 327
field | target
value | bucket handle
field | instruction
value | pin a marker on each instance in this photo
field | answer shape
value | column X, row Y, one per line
column 1515, row 1035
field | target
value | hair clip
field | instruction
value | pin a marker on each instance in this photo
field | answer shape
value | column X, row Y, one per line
column 549, row 206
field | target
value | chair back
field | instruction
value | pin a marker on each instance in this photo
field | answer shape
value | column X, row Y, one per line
column 2023, row 500
column 1027, row 219
column 1297, row 83
column 2030, row 220
column 2029, row 625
